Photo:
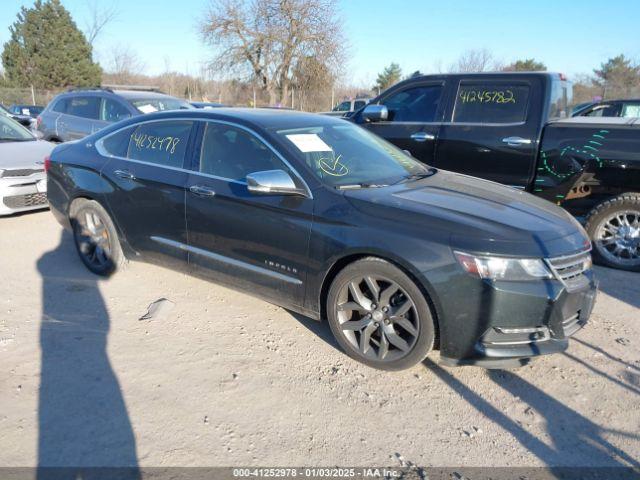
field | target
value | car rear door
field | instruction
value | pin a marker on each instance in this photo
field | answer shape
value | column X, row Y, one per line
column 145, row 168
column 415, row 117
column 81, row 113
column 253, row 242
column 492, row 129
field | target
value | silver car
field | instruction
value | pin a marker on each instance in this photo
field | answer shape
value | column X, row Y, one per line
column 23, row 184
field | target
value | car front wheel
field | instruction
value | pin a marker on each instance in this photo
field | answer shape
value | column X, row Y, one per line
column 379, row 316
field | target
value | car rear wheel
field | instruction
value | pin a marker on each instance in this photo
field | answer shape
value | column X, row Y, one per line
column 379, row 316
column 614, row 229
column 95, row 237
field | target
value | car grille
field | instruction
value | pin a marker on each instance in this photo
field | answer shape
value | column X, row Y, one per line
column 23, row 201
column 24, row 172
column 569, row 269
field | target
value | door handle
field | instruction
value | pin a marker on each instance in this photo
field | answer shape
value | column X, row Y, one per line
column 516, row 141
column 126, row 174
column 202, row 191
column 422, row 136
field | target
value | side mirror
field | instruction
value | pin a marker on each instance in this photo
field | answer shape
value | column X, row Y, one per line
column 272, row 182
column 375, row 113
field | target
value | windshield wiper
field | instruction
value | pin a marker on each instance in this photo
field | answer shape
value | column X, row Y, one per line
column 354, row 186
column 418, row 176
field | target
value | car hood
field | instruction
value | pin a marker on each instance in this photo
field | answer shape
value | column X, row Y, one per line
column 14, row 155
column 478, row 215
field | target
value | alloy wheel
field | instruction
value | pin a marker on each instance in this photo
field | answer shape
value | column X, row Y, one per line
column 617, row 237
column 92, row 237
column 378, row 318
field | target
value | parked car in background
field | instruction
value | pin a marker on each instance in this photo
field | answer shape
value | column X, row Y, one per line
column 31, row 110
column 347, row 106
column 24, row 120
column 22, row 178
column 512, row 128
column 320, row 216
column 208, row 104
column 80, row 112
column 629, row 108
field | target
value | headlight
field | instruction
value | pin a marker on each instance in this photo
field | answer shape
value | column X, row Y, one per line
column 501, row 268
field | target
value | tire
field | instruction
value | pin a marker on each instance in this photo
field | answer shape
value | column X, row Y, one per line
column 614, row 229
column 392, row 339
column 95, row 237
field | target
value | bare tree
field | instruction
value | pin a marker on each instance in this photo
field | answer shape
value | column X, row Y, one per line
column 478, row 60
column 99, row 18
column 264, row 40
column 124, row 65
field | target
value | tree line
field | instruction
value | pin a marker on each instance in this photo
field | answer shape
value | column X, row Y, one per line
column 264, row 52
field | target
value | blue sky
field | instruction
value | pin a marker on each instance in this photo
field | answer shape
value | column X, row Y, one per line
column 569, row 36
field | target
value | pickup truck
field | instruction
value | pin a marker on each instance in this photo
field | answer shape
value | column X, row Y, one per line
column 512, row 128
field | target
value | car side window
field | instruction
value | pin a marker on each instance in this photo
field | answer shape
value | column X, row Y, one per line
column 85, row 107
column 417, row 104
column 60, row 106
column 491, row 103
column 161, row 143
column 359, row 104
column 113, row 111
column 233, row 153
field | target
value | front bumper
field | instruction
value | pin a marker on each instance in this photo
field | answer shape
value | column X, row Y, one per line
column 501, row 324
column 19, row 194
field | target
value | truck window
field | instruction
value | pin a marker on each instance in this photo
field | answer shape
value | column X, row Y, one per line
column 417, row 104
column 491, row 103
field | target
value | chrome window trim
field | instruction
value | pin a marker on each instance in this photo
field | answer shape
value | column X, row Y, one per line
column 227, row 260
column 102, row 151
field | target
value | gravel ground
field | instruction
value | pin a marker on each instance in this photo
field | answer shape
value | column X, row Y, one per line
column 220, row 378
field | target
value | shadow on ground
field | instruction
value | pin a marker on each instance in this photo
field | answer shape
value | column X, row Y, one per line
column 573, row 439
column 624, row 286
column 83, row 420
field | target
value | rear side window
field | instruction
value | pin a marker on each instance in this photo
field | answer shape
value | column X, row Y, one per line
column 60, row 106
column 86, row 107
column 160, row 143
column 491, row 103
column 233, row 153
column 418, row 104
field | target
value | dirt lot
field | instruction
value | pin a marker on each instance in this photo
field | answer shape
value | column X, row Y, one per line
column 226, row 379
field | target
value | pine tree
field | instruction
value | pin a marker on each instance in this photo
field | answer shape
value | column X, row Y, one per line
column 527, row 65
column 388, row 77
column 47, row 50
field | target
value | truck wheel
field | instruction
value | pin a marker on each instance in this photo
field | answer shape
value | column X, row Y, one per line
column 614, row 229
column 379, row 316
column 95, row 237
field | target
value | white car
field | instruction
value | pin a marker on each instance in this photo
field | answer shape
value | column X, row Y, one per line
column 23, row 182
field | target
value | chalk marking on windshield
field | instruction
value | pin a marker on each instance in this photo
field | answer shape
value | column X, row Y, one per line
column 333, row 167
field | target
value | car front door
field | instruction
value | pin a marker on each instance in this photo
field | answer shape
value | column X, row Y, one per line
column 414, row 118
column 492, row 130
column 249, row 241
column 145, row 169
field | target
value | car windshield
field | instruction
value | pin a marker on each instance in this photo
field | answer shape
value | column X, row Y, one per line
column 150, row 105
column 347, row 156
column 12, row 131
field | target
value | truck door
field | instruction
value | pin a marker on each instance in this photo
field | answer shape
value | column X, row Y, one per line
column 415, row 116
column 493, row 129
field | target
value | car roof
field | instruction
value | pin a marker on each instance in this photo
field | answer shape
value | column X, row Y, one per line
column 262, row 118
column 139, row 94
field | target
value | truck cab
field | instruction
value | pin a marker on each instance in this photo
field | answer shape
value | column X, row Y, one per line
column 513, row 128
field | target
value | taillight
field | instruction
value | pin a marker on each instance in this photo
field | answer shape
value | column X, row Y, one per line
column 47, row 163
column 38, row 121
